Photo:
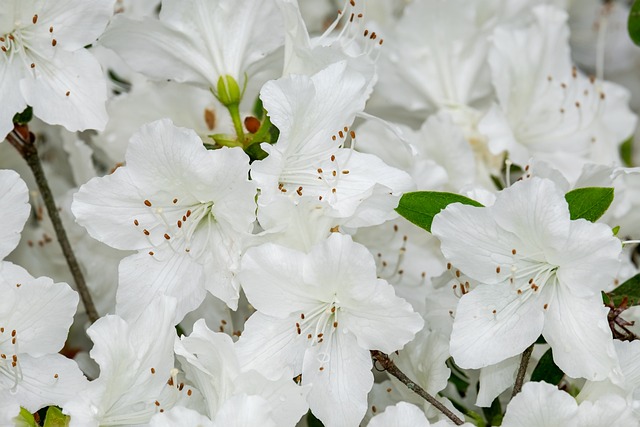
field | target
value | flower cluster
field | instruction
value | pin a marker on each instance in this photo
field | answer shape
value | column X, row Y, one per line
column 282, row 213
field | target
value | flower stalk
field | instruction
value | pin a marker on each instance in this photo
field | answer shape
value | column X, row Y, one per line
column 24, row 142
column 388, row 365
column 522, row 370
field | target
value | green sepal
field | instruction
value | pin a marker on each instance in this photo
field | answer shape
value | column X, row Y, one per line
column 25, row 419
column 55, row 418
column 24, row 117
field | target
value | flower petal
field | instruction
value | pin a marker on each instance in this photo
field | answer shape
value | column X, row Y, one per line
column 494, row 323
column 578, row 331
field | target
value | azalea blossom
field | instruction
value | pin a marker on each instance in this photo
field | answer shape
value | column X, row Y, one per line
column 539, row 272
column 136, row 362
column 186, row 210
column 210, row 362
column 44, row 65
column 318, row 315
column 35, row 316
column 310, row 160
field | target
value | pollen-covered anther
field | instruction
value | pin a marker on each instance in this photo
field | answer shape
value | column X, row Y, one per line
column 498, row 270
column 147, row 203
column 135, row 222
column 68, row 93
column 146, row 232
column 166, row 236
column 153, row 370
column 545, row 306
column 35, row 18
column 54, row 42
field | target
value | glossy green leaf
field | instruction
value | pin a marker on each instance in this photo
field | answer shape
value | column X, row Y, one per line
column 546, row 370
column 421, row 206
column 626, row 152
column 633, row 24
column 589, row 203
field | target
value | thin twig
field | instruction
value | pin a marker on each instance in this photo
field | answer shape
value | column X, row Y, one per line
column 388, row 365
column 522, row 370
column 27, row 148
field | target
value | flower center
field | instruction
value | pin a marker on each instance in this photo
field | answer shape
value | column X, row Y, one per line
column 9, row 362
column 180, row 227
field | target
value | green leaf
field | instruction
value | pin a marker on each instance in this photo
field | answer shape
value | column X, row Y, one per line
column 55, row 418
column 626, row 152
column 25, row 419
column 258, row 109
column 493, row 414
column 421, row 206
column 629, row 289
column 589, row 203
column 546, row 370
column 633, row 24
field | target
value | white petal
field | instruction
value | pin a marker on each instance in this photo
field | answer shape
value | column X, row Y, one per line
column 180, row 416
column 159, row 51
column 76, row 23
column 481, row 337
column 209, row 361
column 339, row 391
column 48, row 380
column 13, row 101
column 288, row 401
column 271, row 346
column 535, row 210
column 245, row 411
column 495, row 379
column 589, row 245
column 14, row 210
column 39, row 310
column 77, row 74
column 144, row 277
column 460, row 227
column 578, row 331
column 272, row 277
column 541, row 405
column 401, row 415
column 380, row 320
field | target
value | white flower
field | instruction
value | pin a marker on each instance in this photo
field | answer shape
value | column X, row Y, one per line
column 209, row 360
column 546, row 108
column 136, row 361
column 309, row 160
column 318, row 315
column 186, row 210
column 14, row 210
column 43, row 62
column 542, row 405
column 198, row 41
column 35, row 316
column 539, row 273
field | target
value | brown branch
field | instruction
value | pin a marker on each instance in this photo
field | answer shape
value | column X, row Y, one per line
column 24, row 142
column 387, row 364
column 522, row 370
